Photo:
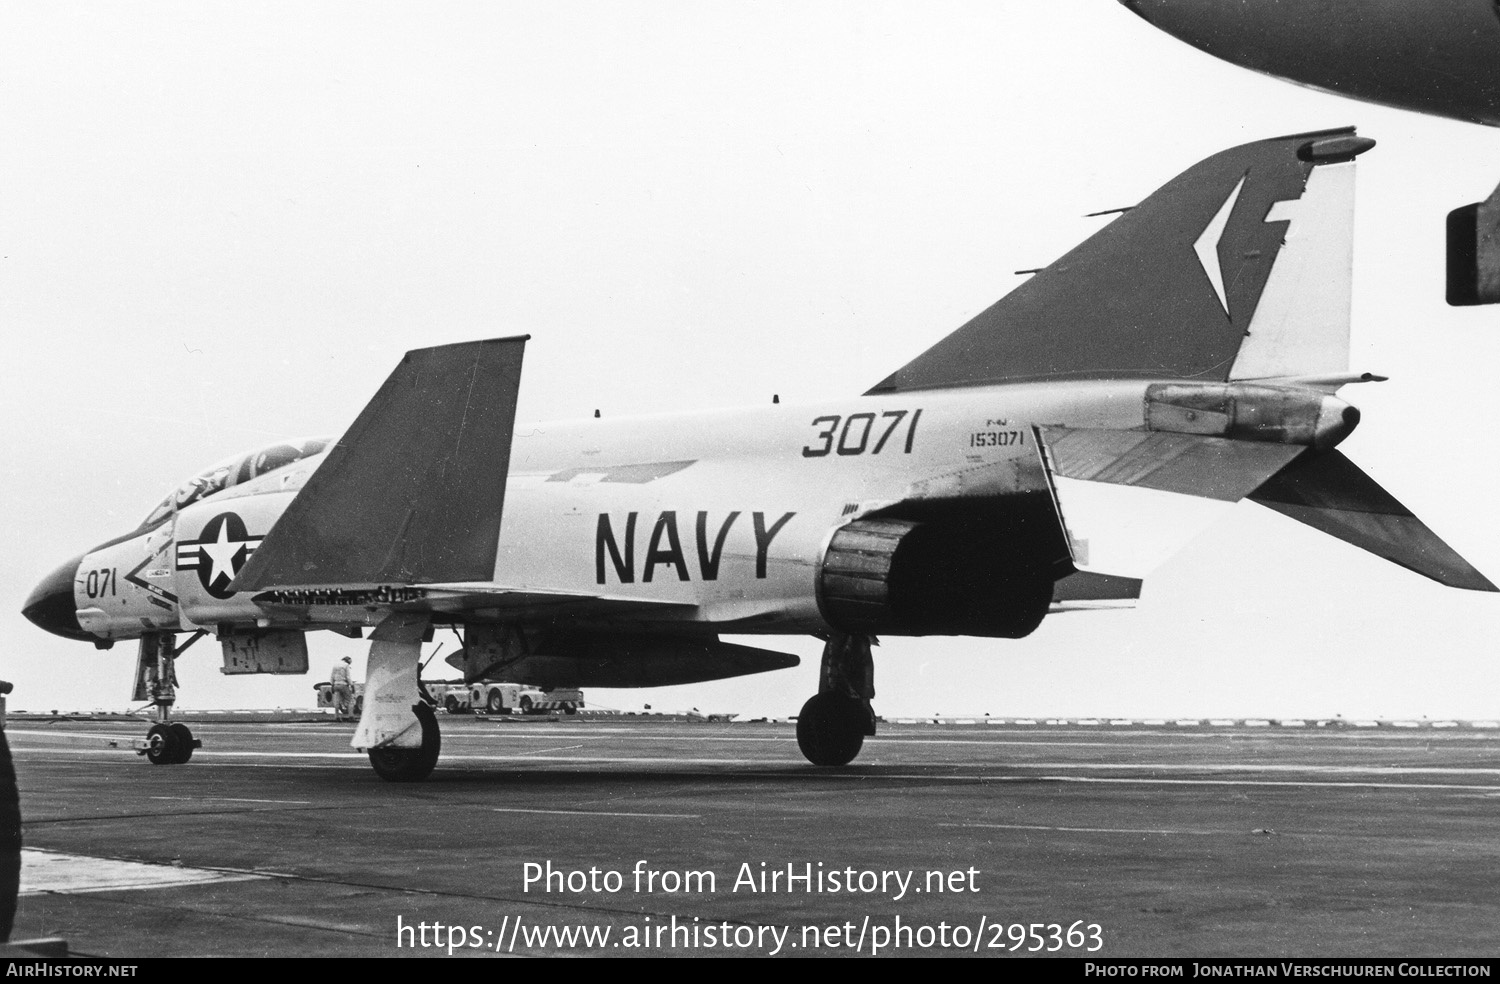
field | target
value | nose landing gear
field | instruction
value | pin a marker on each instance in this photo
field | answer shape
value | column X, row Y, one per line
column 168, row 742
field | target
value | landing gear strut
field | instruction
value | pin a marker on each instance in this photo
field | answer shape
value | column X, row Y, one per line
column 396, row 726
column 168, row 742
column 833, row 724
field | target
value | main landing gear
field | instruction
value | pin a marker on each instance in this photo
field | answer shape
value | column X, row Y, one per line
column 168, row 742
column 397, row 728
column 411, row 764
column 833, row 723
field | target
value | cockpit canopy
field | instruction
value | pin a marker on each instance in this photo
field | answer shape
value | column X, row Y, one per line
column 236, row 471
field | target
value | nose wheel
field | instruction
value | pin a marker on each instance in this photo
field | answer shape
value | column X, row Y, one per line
column 170, row 744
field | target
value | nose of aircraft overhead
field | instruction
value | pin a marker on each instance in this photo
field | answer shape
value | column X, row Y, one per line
column 1430, row 56
column 1134, row 6
column 1241, row 33
column 50, row 605
column 1174, row 15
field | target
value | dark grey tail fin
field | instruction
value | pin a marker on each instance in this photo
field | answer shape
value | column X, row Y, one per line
column 1170, row 289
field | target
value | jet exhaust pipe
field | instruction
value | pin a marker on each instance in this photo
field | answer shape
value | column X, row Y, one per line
column 959, row 577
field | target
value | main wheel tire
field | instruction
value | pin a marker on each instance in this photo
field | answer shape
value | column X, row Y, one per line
column 831, row 729
column 184, row 741
column 411, row 764
column 494, row 703
column 526, row 707
column 451, row 704
column 161, row 745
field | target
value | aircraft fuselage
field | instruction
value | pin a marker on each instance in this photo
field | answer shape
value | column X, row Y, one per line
column 723, row 516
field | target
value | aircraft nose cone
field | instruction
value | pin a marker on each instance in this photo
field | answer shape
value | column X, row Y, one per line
column 50, row 605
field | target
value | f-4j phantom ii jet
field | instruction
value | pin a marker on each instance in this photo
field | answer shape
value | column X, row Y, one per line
column 1194, row 346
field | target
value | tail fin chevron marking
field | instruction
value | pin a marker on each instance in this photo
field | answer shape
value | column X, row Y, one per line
column 1207, row 246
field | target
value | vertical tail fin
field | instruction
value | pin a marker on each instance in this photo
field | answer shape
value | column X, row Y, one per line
column 1252, row 243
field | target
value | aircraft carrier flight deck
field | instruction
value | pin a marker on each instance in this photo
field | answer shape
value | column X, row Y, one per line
column 625, row 837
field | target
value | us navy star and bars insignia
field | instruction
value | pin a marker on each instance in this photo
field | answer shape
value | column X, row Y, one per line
column 217, row 555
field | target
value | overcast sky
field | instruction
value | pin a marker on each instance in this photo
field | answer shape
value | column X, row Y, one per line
column 222, row 224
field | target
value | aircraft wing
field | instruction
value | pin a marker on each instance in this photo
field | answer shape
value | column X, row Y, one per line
column 405, row 514
column 413, row 491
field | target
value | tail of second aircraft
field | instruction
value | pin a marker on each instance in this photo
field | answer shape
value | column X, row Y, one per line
column 1229, row 286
